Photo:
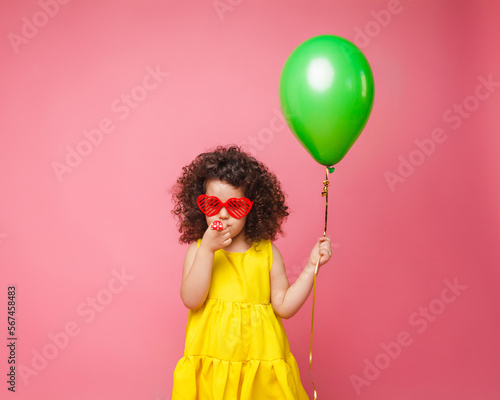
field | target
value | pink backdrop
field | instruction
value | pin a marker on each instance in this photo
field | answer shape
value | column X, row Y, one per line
column 102, row 103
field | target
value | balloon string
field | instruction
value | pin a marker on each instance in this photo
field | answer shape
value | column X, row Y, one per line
column 326, row 184
column 312, row 327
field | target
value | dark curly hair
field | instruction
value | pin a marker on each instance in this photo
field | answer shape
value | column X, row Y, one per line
column 236, row 167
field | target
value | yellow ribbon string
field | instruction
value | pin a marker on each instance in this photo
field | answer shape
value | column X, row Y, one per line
column 326, row 183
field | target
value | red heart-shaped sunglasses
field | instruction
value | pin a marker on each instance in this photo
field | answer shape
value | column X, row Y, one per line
column 236, row 207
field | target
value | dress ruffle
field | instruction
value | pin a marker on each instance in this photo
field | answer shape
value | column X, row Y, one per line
column 204, row 377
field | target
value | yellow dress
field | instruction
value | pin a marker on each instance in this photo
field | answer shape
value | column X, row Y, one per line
column 236, row 346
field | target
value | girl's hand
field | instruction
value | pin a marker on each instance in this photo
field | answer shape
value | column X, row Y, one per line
column 321, row 249
column 214, row 240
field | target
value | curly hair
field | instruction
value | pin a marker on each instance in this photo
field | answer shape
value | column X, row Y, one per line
column 237, row 168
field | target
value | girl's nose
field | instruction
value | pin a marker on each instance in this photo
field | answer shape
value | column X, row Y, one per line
column 223, row 213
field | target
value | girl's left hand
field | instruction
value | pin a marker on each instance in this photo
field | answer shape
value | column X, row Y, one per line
column 321, row 249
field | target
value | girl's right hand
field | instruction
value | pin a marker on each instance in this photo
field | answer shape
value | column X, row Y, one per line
column 214, row 240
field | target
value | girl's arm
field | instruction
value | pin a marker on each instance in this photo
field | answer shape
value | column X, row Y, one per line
column 196, row 274
column 197, row 269
column 285, row 299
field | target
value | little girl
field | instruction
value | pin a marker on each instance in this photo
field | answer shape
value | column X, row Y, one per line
column 234, row 281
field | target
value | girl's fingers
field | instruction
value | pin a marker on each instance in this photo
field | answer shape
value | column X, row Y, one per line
column 324, row 242
column 325, row 249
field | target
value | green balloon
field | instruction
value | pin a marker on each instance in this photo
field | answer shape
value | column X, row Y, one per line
column 326, row 93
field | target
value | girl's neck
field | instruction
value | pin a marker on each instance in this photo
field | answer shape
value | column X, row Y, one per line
column 238, row 244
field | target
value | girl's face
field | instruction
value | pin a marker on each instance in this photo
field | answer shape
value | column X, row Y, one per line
column 224, row 191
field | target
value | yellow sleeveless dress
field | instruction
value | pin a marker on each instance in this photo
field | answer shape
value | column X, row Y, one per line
column 236, row 346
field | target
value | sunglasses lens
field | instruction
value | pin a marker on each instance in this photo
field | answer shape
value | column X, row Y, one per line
column 209, row 205
column 238, row 208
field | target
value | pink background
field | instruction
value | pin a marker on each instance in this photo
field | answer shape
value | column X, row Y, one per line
column 64, row 239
